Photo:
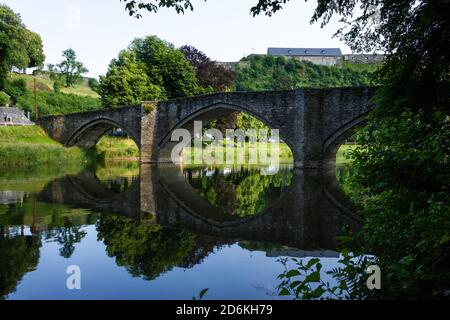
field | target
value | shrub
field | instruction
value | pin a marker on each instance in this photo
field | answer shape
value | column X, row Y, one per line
column 93, row 84
column 4, row 99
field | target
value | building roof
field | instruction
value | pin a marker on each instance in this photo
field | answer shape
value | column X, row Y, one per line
column 328, row 52
column 15, row 116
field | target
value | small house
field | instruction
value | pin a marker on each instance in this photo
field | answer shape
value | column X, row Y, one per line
column 10, row 116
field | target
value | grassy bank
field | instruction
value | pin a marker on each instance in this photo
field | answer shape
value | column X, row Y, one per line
column 285, row 154
column 31, row 147
column 117, row 149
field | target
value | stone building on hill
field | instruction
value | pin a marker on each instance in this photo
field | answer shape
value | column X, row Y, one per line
column 10, row 116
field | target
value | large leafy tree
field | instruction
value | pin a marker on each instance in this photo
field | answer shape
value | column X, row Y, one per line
column 209, row 73
column 166, row 67
column 127, row 82
column 19, row 47
column 70, row 68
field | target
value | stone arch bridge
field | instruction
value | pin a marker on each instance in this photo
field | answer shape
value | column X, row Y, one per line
column 313, row 122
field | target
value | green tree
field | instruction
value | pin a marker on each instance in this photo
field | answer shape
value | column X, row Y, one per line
column 126, row 82
column 94, row 84
column 18, row 256
column 4, row 99
column 70, row 68
column 19, row 47
column 145, row 250
column 166, row 67
column 34, row 49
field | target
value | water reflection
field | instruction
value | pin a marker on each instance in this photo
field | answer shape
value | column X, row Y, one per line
column 239, row 191
column 157, row 220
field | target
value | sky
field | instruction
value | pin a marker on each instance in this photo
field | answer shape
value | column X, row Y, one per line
column 224, row 29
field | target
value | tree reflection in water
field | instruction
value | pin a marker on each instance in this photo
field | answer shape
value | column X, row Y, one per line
column 149, row 250
column 19, row 255
column 239, row 191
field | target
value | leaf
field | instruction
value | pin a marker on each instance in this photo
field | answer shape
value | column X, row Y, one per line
column 312, row 262
column 318, row 292
column 313, row 277
column 284, row 292
column 203, row 292
column 292, row 273
column 294, row 284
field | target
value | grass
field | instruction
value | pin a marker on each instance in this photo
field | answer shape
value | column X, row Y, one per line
column 115, row 148
column 45, row 84
column 30, row 146
column 285, row 154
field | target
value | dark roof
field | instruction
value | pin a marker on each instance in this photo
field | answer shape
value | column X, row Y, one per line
column 331, row 52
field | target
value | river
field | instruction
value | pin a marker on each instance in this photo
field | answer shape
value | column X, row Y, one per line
column 164, row 232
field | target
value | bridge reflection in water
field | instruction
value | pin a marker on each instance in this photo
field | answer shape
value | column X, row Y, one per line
column 307, row 214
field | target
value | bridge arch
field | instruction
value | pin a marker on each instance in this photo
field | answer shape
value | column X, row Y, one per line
column 209, row 113
column 88, row 134
column 333, row 142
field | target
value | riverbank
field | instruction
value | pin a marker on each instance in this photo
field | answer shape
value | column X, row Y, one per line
column 30, row 147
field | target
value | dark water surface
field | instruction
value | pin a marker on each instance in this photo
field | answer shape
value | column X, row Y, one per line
column 164, row 232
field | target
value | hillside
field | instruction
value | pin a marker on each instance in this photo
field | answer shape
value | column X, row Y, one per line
column 45, row 84
column 69, row 100
column 266, row 72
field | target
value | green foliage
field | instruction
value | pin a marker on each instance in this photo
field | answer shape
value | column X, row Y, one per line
column 166, row 67
column 19, row 47
column 94, row 84
column 4, row 99
column 145, row 250
column 305, row 280
column 127, row 83
column 246, row 122
column 402, row 172
column 242, row 193
column 266, row 72
column 151, row 69
column 30, row 146
column 50, row 103
column 117, row 148
column 20, row 255
column 58, row 85
column 134, row 6
column 70, row 69
column 201, row 294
